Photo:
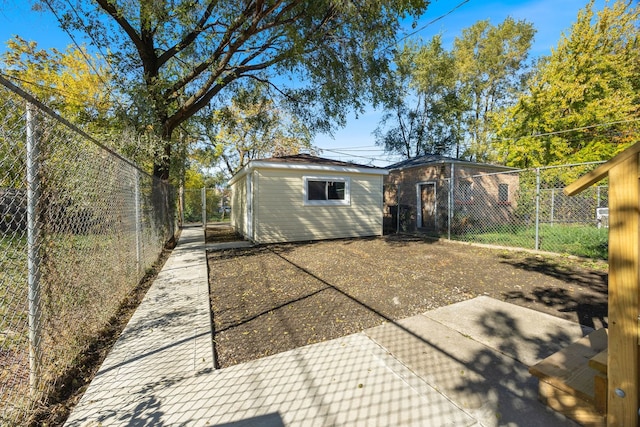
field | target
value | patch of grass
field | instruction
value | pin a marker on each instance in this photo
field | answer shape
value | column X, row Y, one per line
column 14, row 348
column 217, row 217
column 580, row 240
column 13, row 287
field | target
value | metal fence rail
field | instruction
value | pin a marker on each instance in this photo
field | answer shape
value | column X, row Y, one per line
column 523, row 209
column 79, row 227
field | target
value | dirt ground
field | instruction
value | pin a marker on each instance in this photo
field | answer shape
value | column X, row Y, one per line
column 274, row 298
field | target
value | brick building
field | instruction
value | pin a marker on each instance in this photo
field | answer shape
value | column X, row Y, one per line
column 436, row 194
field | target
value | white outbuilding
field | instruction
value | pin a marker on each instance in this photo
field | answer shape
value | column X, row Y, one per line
column 304, row 197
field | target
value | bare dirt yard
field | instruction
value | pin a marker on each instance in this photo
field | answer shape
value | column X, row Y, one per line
column 272, row 298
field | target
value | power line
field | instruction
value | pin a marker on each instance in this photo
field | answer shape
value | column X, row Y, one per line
column 373, row 158
column 96, row 44
column 558, row 132
column 361, row 148
column 433, row 21
column 89, row 63
column 84, row 55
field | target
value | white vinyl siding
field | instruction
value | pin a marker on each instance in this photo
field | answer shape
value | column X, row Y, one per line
column 281, row 214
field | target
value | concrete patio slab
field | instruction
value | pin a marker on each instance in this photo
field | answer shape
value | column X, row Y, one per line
column 455, row 366
column 525, row 335
column 487, row 381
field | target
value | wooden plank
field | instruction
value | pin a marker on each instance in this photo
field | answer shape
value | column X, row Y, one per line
column 568, row 369
column 599, row 361
column 571, row 406
column 624, row 243
column 601, row 171
column 600, row 389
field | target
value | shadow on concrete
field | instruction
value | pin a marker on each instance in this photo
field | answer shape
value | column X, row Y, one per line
column 487, row 373
column 457, row 365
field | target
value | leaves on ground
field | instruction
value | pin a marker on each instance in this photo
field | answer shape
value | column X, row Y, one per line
column 274, row 298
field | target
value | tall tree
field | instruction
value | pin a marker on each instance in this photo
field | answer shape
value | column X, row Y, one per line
column 448, row 99
column 490, row 61
column 583, row 101
column 417, row 114
column 182, row 55
column 254, row 126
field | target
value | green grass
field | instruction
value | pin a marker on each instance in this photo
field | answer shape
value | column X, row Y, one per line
column 13, row 290
column 580, row 240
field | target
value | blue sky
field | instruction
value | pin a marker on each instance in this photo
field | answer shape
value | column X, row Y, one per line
column 355, row 142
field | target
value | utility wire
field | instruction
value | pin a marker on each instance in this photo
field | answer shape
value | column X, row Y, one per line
column 558, row 132
column 381, row 158
column 73, row 39
column 97, row 45
column 433, row 21
column 84, row 55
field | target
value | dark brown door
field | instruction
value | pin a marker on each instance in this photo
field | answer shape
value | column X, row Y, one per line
column 428, row 205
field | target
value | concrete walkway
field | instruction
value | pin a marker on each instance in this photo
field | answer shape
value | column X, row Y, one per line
column 460, row 365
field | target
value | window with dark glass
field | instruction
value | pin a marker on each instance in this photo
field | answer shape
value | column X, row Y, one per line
column 465, row 191
column 316, row 190
column 503, row 193
column 325, row 190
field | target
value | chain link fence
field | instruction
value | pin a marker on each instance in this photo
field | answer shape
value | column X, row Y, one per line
column 79, row 227
column 204, row 205
column 522, row 209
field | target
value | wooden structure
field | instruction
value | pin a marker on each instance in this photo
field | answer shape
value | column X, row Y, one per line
column 622, row 363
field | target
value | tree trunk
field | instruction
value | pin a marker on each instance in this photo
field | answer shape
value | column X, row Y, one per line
column 162, row 162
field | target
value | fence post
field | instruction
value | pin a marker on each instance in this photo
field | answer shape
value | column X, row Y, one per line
column 138, row 224
column 537, row 208
column 33, row 243
column 553, row 201
column 204, row 206
column 397, row 208
column 450, row 199
column 181, row 202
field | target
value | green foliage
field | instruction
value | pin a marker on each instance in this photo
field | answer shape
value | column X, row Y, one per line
column 64, row 81
column 583, row 98
column 177, row 57
column 418, row 118
column 193, row 178
column 77, row 86
column 448, row 99
column 12, row 141
column 253, row 126
column 489, row 62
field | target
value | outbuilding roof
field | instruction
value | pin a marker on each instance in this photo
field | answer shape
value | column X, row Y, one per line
column 431, row 159
column 307, row 162
column 310, row 159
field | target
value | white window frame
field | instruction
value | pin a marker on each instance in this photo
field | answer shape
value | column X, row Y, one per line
column 347, row 191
